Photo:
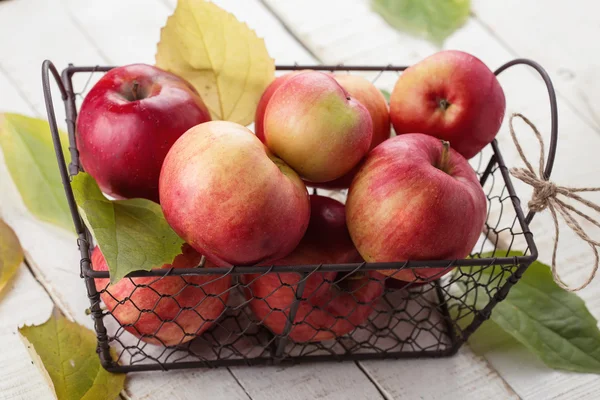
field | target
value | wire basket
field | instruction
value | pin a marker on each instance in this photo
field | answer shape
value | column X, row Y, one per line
column 248, row 315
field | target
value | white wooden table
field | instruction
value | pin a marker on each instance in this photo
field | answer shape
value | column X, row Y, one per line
column 560, row 35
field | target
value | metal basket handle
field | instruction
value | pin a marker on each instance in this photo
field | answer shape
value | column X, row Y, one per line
column 47, row 69
column 553, row 115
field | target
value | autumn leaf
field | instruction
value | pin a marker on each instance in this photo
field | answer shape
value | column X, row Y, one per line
column 65, row 352
column 31, row 161
column 220, row 56
column 11, row 254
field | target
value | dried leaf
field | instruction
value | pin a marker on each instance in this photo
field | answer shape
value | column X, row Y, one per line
column 11, row 254
column 221, row 57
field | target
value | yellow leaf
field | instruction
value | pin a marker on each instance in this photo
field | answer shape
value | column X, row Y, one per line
column 220, row 56
column 65, row 352
column 11, row 254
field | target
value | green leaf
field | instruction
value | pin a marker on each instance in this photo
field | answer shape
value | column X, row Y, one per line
column 133, row 234
column 434, row 20
column 11, row 254
column 29, row 155
column 66, row 353
column 385, row 94
column 552, row 323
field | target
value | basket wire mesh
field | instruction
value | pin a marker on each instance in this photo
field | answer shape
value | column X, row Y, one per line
column 247, row 315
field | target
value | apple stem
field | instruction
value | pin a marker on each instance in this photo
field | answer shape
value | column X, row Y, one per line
column 444, row 159
column 134, row 90
column 444, row 104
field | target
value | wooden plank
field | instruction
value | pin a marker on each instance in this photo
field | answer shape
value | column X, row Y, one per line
column 465, row 375
column 20, row 378
column 123, row 32
column 363, row 37
column 23, row 302
column 50, row 34
column 11, row 100
column 323, row 381
column 570, row 30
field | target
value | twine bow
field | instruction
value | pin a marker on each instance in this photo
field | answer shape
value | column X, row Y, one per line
column 546, row 195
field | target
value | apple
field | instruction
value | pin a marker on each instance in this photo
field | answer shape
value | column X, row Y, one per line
column 331, row 304
column 369, row 96
column 264, row 100
column 127, row 124
column 453, row 96
column 230, row 198
column 415, row 199
column 313, row 124
column 151, row 307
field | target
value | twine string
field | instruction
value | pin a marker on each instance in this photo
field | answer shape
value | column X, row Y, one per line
column 547, row 195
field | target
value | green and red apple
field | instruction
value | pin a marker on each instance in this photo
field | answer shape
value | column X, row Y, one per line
column 314, row 125
column 230, row 198
column 264, row 101
column 369, row 96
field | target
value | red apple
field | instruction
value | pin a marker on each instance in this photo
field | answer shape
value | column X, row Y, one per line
column 329, row 307
column 453, row 96
column 151, row 307
column 127, row 124
column 231, row 199
column 415, row 199
column 316, row 127
column 264, row 100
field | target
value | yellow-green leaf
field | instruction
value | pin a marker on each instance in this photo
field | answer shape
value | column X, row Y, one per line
column 432, row 19
column 132, row 234
column 11, row 254
column 29, row 155
column 66, row 353
column 220, row 56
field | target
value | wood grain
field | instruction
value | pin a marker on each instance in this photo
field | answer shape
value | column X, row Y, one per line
column 335, row 31
column 569, row 29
